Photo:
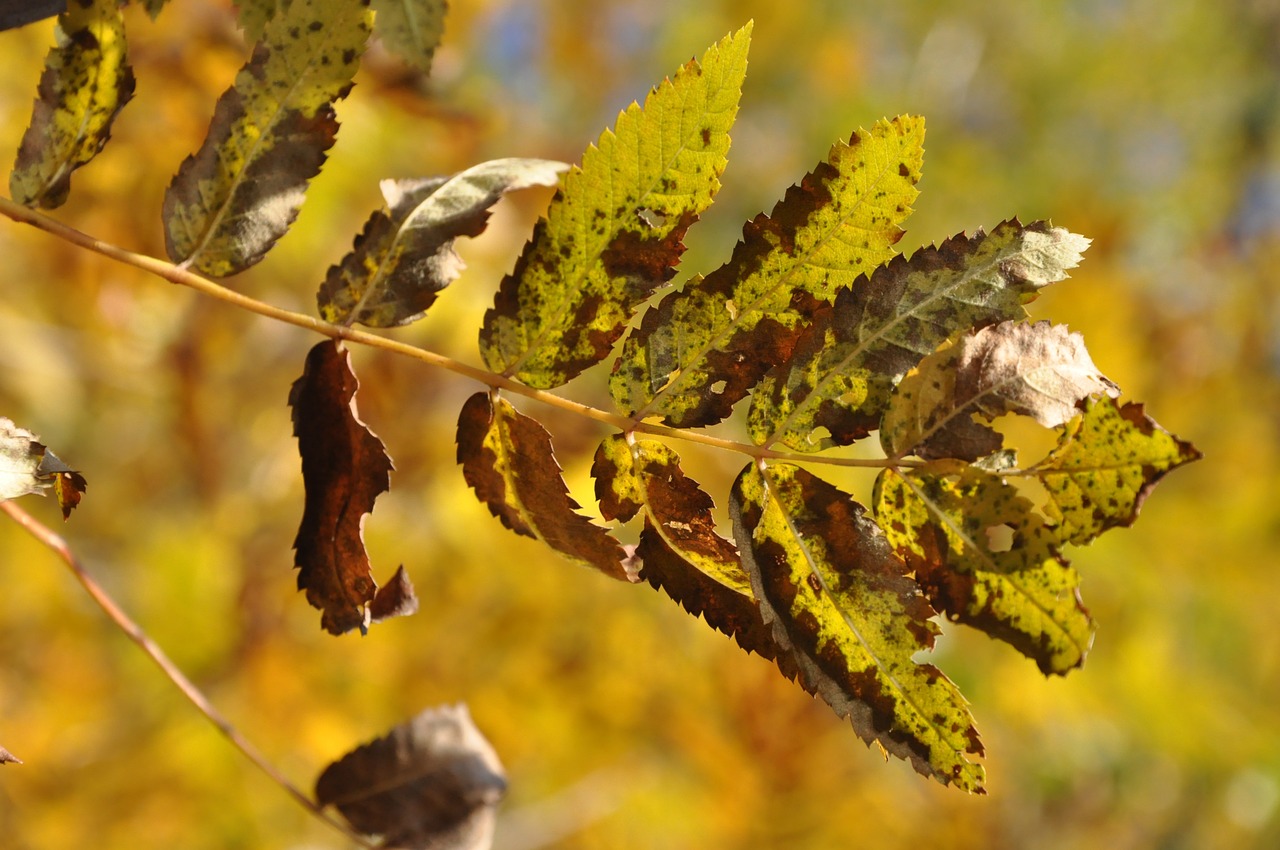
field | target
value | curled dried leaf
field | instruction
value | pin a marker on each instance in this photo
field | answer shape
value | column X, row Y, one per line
column 431, row 783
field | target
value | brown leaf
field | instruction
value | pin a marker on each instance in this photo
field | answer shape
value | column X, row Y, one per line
column 394, row 599
column 7, row 757
column 431, row 783
column 1038, row 370
column 679, row 551
column 26, row 466
column 508, row 461
column 344, row 469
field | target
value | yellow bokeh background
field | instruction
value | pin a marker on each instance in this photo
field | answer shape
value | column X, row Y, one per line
column 1152, row 127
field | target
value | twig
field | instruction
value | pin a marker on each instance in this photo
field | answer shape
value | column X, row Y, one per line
column 184, row 277
column 54, row 542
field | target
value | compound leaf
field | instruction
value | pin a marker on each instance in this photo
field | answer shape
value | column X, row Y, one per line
column 1038, row 370
column 411, row 29
column 344, row 469
column 700, row 350
column 1106, row 462
column 613, row 233
column 843, row 368
column 26, row 466
column 679, row 550
column 838, row 596
column 431, row 783
column 234, row 198
column 988, row 559
column 85, row 83
column 405, row 254
column 508, row 461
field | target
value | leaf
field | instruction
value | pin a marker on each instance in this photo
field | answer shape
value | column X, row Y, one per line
column 1106, row 463
column 232, row 200
column 18, row 13
column 508, row 461
column 679, row 551
column 153, row 7
column 85, row 84
column 7, row 757
column 405, row 254
column 344, row 469
column 839, row 377
column 411, row 29
column 837, row 594
column 253, row 16
column 1038, row 370
column 613, row 232
column 987, row 559
column 396, row 598
column 701, row 350
column 431, row 783
column 26, row 467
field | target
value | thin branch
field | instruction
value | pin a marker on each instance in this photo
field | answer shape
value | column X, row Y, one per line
column 58, row 546
column 184, row 277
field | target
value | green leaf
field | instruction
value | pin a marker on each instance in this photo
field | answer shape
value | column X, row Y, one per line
column 508, row 461
column 86, row 82
column 837, row 594
column 26, row 467
column 699, row 351
column 1105, row 464
column 231, row 201
column 405, row 254
column 986, row 558
column 836, row 386
column 1037, row 370
column 411, row 29
column 613, row 232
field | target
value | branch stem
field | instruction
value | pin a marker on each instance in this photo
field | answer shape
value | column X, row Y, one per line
column 184, row 277
column 126, row 624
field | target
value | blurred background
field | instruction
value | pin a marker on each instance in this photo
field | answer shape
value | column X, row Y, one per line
column 1152, row 127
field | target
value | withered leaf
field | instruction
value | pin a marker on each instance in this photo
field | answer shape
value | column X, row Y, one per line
column 838, row 596
column 396, row 598
column 26, row 466
column 17, row 13
column 508, row 461
column 86, row 82
column 700, row 350
column 1038, row 370
column 405, row 254
column 679, row 550
column 270, row 134
column 344, row 469
column 7, row 757
column 843, row 369
column 985, row 557
column 431, row 783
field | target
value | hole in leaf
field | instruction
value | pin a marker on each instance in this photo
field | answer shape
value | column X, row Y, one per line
column 718, row 387
column 1000, row 538
column 651, row 217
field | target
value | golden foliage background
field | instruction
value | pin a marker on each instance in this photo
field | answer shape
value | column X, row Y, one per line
column 1152, row 127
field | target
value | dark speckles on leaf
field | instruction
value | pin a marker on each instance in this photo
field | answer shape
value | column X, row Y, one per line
column 706, row 137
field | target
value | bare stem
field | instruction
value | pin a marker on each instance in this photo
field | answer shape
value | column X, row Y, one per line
column 55, row 543
column 184, row 277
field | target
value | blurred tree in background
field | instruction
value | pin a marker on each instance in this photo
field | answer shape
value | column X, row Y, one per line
column 1152, row 127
